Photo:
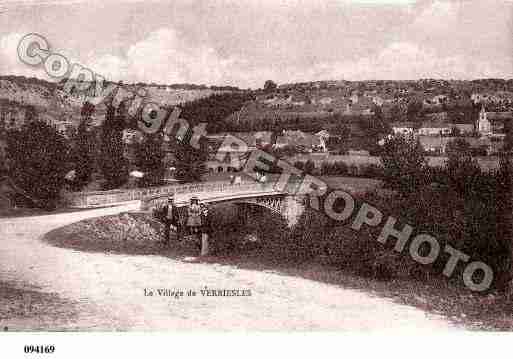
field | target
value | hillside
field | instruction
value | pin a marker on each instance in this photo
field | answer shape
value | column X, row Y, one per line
column 54, row 104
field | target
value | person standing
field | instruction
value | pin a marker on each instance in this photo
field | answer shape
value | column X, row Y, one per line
column 171, row 219
column 205, row 229
column 194, row 217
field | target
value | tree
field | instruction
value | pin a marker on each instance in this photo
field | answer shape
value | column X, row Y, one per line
column 375, row 128
column 30, row 114
column 404, row 165
column 83, row 154
column 309, row 167
column 38, row 158
column 112, row 163
column 462, row 169
column 270, row 86
column 508, row 139
column 380, row 125
column 150, row 160
column 413, row 110
column 504, row 211
column 189, row 162
column 341, row 131
column 395, row 113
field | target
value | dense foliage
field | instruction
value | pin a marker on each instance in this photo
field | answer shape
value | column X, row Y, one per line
column 189, row 162
column 83, row 152
column 404, row 164
column 112, row 162
column 214, row 109
column 150, row 160
column 38, row 161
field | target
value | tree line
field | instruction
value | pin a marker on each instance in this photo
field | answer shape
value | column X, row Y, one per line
column 43, row 162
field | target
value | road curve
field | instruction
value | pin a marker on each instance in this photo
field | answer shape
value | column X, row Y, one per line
column 109, row 290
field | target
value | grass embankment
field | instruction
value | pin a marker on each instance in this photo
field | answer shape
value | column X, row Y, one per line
column 28, row 308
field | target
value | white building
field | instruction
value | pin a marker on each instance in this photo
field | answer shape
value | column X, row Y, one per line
column 403, row 128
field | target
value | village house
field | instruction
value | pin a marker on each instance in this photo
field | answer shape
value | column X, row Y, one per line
column 262, row 138
column 131, row 136
column 434, row 145
column 361, row 108
column 233, row 156
column 303, row 141
column 12, row 117
column 325, row 101
column 485, row 145
column 434, row 128
column 463, row 128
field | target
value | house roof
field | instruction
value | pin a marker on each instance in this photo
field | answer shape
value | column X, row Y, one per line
column 264, row 136
column 403, row 125
column 437, row 116
column 433, row 142
column 499, row 116
column 323, row 133
column 463, row 126
column 250, row 138
column 298, row 138
column 435, row 124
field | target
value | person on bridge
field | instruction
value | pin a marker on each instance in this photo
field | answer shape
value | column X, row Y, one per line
column 171, row 220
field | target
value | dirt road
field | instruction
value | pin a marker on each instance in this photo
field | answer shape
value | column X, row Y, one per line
column 102, row 291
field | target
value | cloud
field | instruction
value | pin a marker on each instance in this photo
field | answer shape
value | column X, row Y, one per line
column 407, row 61
column 164, row 57
column 9, row 62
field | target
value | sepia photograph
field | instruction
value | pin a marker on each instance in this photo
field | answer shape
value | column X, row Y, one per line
column 255, row 166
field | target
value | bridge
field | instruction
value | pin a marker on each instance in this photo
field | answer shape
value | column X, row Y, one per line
column 287, row 205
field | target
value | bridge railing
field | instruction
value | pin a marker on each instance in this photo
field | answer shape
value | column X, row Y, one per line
column 105, row 198
column 151, row 201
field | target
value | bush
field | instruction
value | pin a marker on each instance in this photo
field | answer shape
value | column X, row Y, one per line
column 404, row 165
column 472, row 225
column 353, row 170
column 334, row 169
column 299, row 165
column 309, row 167
column 340, row 168
column 371, row 171
column 308, row 238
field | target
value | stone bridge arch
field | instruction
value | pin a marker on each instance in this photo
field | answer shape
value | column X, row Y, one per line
column 287, row 206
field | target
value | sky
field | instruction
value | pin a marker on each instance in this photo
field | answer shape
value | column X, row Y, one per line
column 245, row 42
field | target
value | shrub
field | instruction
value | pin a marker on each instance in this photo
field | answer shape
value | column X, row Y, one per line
column 353, row 170
column 340, row 168
column 371, row 171
column 333, row 169
column 309, row 167
column 404, row 165
column 300, row 165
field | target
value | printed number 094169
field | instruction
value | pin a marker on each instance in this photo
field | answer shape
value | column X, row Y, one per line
column 39, row 349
